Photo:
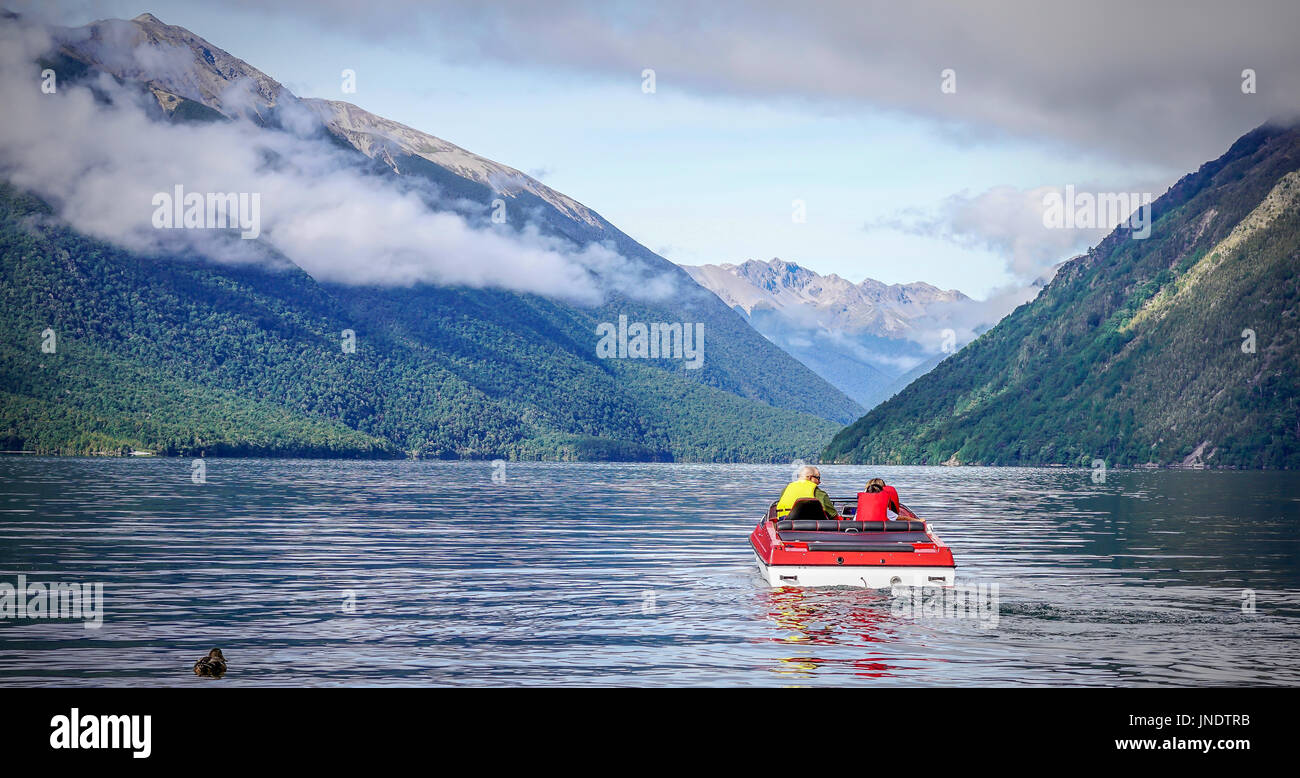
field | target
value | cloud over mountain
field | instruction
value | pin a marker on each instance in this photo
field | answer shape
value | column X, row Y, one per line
column 100, row 155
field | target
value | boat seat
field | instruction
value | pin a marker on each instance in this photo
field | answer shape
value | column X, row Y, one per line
column 847, row 526
column 807, row 509
column 887, row 548
column 860, row 539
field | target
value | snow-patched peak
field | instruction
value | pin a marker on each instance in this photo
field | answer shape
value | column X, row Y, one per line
column 838, row 304
column 382, row 138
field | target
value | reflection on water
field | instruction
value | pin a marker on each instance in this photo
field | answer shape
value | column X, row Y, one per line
column 817, row 617
column 430, row 573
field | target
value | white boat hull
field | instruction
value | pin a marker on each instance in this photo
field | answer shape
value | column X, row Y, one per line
column 868, row 577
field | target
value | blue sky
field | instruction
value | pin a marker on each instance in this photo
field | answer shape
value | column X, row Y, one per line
column 699, row 174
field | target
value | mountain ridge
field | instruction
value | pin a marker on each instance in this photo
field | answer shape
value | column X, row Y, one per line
column 869, row 339
column 883, row 309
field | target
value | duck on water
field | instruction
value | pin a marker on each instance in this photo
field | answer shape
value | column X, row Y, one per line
column 211, row 666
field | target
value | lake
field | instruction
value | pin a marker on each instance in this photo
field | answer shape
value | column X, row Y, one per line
column 322, row 573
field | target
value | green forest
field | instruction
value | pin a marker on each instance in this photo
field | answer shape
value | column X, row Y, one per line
column 180, row 356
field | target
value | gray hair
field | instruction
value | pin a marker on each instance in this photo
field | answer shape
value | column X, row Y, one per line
column 808, row 471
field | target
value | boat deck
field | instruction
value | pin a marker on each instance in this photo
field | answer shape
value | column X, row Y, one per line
column 861, row 538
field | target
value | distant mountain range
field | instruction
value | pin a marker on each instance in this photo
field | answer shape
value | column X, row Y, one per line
column 1181, row 349
column 868, row 339
column 176, row 354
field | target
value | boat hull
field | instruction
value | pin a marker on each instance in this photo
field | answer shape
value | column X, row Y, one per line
column 862, row 576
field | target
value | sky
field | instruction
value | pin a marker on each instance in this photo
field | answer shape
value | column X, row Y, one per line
column 839, row 106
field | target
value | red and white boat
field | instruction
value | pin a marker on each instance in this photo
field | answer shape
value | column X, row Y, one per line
column 797, row 551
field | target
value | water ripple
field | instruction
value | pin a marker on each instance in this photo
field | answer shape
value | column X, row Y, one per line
column 428, row 573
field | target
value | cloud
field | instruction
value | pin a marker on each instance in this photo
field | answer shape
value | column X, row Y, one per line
column 1006, row 220
column 101, row 162
column 966, row 319
column 1009, row 221
column 1157, row 81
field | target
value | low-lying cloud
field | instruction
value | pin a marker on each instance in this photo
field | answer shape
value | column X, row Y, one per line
column 1009, row 221
column 100, row 164
column 1005, row 220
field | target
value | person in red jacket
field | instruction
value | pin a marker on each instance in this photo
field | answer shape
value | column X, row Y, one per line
column 877, row 499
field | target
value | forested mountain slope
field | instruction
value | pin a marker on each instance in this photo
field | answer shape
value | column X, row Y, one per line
column 173, row 353
column 1180, row 349
column 181, row 356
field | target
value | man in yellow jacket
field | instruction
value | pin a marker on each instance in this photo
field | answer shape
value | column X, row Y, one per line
column 808, row 485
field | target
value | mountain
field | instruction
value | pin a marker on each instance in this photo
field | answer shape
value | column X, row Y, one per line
column 1180, row 349
column 869, row 306
column 178, row 354
column 867, row 339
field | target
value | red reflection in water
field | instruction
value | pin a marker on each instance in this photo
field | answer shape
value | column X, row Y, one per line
column 858, row 618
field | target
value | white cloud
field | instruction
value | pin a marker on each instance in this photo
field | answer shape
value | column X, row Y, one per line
column 100, row 165
column 1009, row 221
column 1006, row 220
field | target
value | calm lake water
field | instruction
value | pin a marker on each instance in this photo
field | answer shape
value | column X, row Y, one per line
column 316, row 573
